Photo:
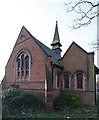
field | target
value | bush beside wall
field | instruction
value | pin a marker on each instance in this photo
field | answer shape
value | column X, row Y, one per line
column 67, row 99
column 20, row 101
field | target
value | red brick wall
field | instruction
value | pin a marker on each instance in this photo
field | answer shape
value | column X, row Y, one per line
column 75, row 60
column 37, row 70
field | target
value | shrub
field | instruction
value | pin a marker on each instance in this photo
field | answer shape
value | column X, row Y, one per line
column 17, row 101
column 8, row 95
column 27, row 100
column 67, row 99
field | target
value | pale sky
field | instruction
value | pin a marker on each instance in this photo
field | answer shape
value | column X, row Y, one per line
column 39, row 17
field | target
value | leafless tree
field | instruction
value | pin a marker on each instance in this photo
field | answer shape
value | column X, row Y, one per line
column 86, row 11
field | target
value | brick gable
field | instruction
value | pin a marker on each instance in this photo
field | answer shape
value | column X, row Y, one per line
column 74, row 58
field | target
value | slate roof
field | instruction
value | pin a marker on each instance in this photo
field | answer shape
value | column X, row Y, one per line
column 47, row 50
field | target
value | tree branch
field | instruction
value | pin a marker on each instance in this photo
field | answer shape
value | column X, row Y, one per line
column 85, row 16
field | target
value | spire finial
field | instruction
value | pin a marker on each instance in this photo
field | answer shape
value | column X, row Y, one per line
column 56, row 42
column 56, row 19
column 56, row 38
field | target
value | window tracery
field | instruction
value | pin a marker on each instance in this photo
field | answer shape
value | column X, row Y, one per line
column 23, row 66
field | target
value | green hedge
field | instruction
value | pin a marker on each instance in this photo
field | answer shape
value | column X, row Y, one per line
column 67, row 99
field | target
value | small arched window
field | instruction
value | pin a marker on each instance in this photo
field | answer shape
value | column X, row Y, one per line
column 79, row 80
column 66, row 81
column 23, row 66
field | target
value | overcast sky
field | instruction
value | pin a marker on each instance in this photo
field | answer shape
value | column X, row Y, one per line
column 39, row 17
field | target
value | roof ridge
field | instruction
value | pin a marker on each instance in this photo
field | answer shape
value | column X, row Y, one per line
column 38, row 41
column 47, row 50
column 70, row 47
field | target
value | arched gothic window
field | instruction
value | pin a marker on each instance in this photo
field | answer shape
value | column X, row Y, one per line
column 79, row 80
column 23, row 66
column 66, row 81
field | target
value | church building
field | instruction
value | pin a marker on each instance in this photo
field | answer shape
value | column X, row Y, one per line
column 34, row 66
